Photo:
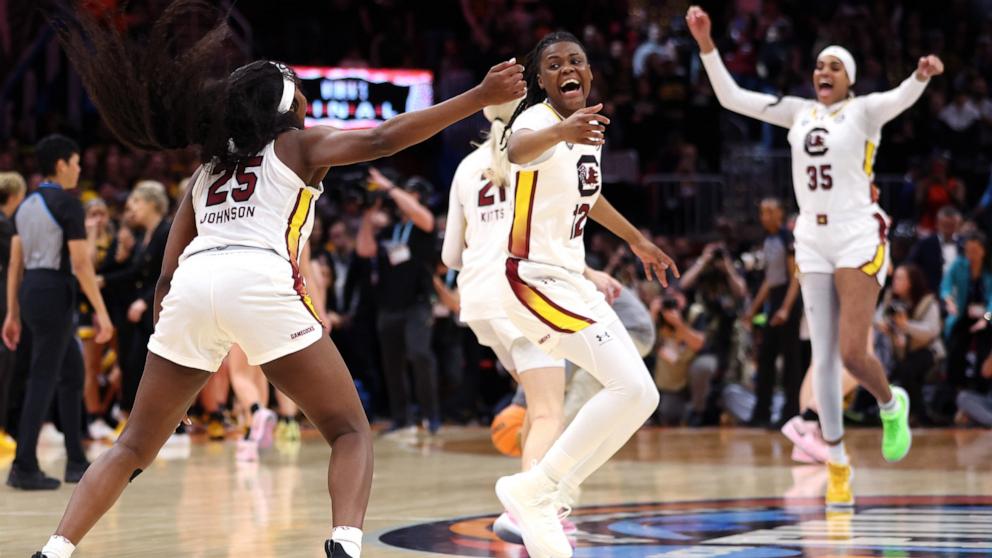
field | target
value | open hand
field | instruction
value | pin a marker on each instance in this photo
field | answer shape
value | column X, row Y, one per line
column 656, row 262
column 504, row 83
column 584, row 127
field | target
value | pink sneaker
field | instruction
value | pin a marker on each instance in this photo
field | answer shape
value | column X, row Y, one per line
column 247, row 451
column 569, row 527
column 806, row 436
column 263, row 423
column 799, row 456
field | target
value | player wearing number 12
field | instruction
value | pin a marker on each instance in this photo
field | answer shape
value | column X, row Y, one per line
column 231, row 268
column 555, row 148
column 841, row 248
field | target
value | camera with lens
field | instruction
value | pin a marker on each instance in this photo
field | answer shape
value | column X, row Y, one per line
column 355, row 186
column 895, row 307
column 719, row 253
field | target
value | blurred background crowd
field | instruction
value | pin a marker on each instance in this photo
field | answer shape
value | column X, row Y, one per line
column 712, row 188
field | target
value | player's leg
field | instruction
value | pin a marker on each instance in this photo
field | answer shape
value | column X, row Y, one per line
column 858, row 292
column 545, row 392
column 245, row 380
column 317, row 379
column 166, row 392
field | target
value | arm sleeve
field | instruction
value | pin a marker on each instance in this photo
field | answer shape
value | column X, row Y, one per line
column 454, row 234
column 767, row 108
column 883, row 107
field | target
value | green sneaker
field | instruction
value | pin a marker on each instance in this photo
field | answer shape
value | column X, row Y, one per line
column 896, row 436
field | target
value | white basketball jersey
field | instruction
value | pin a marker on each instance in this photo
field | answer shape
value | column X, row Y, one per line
column 260, row 203
column 553, row 197
column 487, row 209
column 833, row 154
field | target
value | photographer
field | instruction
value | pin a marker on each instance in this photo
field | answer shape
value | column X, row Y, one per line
column 909, row 318
column 402, row 250
column 683, row 369
column 777, row 299
column 715, row 284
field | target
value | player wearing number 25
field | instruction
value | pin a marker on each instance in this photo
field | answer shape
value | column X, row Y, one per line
column 841, row 248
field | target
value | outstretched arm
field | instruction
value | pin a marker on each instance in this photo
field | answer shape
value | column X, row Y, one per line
column 762, row 106
column 323, row 145
column 883, row 107
column 655, row 261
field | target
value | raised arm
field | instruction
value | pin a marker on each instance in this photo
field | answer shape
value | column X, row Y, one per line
column 322, row 146
column 454, row 232
column 883, row 107
column 762, row 106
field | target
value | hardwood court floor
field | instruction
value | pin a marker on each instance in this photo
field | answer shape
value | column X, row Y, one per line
column 205, row 505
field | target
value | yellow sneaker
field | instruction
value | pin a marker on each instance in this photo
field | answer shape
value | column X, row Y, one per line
column 293, row 431
column 839, row 493
column 7, row 444
column 280, row 432
column 216, row 430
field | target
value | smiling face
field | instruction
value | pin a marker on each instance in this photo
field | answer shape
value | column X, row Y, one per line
column 565, row 76
column 830, row 80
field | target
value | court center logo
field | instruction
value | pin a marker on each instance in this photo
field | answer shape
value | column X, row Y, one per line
column 907, row 527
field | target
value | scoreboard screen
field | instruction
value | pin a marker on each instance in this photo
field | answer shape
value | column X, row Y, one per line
column 362, row 97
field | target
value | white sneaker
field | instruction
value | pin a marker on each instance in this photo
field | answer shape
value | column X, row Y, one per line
column 507, row 529
column 50, row 436
column 263, row 423
column 531, row 498
column 100, row 430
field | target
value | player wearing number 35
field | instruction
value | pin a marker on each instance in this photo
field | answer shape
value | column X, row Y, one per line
column 231, row 266
column 841, row 249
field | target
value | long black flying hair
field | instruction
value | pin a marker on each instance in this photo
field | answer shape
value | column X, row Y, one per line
column 160, row 94
column 532, row 67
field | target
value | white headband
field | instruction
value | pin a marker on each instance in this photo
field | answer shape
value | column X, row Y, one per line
column 845, row 58
column 288, row 89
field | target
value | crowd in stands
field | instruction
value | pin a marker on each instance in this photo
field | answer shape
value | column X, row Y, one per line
column 932, row 326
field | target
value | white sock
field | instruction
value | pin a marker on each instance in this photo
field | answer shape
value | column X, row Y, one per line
column 350, row 539
column 837, row 453
column 888, row 407
column 58, row 547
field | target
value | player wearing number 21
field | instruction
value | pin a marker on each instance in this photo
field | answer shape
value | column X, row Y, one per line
column 841, row 248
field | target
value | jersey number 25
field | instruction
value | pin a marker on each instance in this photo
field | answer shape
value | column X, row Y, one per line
column 247, row 181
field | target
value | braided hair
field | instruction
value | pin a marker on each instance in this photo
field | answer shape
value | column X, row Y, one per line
column 162, row 93
column 532, row 67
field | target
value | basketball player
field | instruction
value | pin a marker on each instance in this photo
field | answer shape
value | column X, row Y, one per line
column 478, row 223
column 841, row 249
column 554, row 150
column 231, row 269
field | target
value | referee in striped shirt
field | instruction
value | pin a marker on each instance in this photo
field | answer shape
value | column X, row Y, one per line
column 48, row 248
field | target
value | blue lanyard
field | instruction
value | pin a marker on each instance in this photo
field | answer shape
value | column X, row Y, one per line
column 404, row 237
column 449, row 279
column 48, row 184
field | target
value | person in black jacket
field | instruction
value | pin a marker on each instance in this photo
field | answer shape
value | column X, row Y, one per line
column 12, row 190
column 935, row 253
column 147, row 207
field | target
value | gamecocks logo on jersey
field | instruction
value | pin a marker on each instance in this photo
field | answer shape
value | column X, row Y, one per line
column 816, row 142
column 589, row 177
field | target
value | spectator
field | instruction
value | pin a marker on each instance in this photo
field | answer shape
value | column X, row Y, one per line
column 967, row 293
column 49, row 234
column 935, row 253
column 909, row 320
column 938, row 190
column 147, row 208
column 975, row 405
column 403, row 258
column 777, row 298
column 12, row 189
column 682, row 371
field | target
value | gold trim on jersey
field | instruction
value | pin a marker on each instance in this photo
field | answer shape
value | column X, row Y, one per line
column 523, row 208
column 294, row 230
column 869, row 162
column 875, row 265
column 553, row 111
column 832, row 113
column 542, row 307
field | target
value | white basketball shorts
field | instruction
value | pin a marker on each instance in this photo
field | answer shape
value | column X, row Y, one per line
column 513, row 350
column 547, row 301
column 825, row 243
column 247, row 296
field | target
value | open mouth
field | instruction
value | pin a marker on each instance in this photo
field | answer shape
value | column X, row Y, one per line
column 571, row 85
column 824, row 86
